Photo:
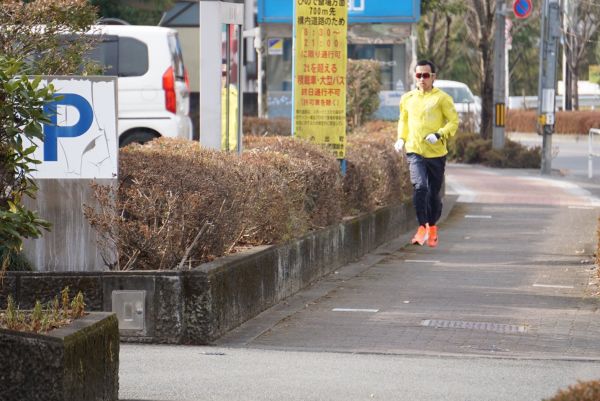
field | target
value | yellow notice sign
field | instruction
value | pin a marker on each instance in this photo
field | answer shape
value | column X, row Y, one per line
column 320, row 32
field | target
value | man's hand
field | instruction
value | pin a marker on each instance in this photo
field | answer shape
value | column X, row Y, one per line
column 399, row 145
column 432, row 138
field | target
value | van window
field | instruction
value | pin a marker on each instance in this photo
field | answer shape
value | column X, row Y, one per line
column 176, row 57
column 133, row 57
column 121, row 56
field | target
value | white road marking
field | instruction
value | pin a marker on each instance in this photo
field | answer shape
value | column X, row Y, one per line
column 477, row 216
column 553, row 286
column 355, row 310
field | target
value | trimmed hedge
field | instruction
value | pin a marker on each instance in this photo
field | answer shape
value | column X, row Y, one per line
column 178, row 205
column 567, row 122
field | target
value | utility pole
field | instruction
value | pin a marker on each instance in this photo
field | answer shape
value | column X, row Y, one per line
column 567, row 103
column 508, row 46
column 550, row 34
column 499, row 76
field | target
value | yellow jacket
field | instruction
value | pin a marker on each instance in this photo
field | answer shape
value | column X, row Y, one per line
column 423, row 113
column 231, row 136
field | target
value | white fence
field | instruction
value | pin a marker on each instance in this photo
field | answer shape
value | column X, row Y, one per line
column 591, row 154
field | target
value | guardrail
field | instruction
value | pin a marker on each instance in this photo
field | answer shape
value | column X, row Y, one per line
column 591, row 154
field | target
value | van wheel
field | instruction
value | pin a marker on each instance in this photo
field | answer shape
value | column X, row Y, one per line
column 140, row 137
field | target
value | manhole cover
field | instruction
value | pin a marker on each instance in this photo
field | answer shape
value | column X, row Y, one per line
column 482, row 326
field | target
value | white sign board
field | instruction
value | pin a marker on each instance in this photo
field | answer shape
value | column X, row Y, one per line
column 82, row 141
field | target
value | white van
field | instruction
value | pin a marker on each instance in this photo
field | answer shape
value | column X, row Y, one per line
column 153, row 89
column 467, row 106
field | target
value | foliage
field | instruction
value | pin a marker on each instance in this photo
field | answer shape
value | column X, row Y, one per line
column 472, row 149
column 524, row 55
column 178, row 205
column 15, row 261
column 43, row 319
column 136, row 12
column 582, row 22
column 582, row 391
column 35, row 31
column 33, row 41
column 20, row 121
column 363, row 86
column 435, row 29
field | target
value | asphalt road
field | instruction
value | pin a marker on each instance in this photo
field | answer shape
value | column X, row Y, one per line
column 219, row 374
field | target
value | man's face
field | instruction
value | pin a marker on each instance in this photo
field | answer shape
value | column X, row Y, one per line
column 424, row 77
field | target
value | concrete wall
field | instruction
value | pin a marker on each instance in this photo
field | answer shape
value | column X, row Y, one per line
column 197, row 306
column 79, row 362
column 71, row 245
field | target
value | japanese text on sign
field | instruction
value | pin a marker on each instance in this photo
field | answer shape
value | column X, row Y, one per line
column 320, row 33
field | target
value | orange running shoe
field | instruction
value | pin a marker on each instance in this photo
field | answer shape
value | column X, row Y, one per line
column 432, row 240
column 421, row 236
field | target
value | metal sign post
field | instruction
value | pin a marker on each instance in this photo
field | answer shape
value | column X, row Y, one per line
column 499, row 78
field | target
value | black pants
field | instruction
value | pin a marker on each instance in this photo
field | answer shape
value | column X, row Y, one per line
column 427, row 177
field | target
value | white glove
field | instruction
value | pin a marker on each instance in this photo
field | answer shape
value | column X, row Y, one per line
column 431, row 138
column 399, row 145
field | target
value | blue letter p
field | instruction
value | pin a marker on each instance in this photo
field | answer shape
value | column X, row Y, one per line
column 52, row 131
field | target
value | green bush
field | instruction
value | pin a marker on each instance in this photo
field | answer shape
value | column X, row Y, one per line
column 21, row 116
column 363, row 86
column 46, row 50
column 582, row 391
column 16, row 261
column 472, row 149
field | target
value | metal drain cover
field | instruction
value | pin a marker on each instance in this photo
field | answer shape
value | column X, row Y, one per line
column 482, row 326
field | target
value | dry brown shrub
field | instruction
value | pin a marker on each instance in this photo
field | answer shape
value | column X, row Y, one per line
column 255, row 126
column 567, row 122
column 174, row 202
column 177, row 205
column 582, row 391
column 376, row 174
column 521, row 121
column 275, row 211
column 312, row 173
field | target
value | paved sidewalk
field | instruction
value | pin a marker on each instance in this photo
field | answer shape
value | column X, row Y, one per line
column 511, row 277
column 509, row 296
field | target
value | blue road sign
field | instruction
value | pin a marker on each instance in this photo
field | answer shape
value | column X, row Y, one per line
column 522, row 8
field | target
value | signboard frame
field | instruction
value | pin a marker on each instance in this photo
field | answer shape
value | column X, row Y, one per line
column 360, row 11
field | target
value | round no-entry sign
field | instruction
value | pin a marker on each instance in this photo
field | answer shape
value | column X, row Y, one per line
column 522, row 8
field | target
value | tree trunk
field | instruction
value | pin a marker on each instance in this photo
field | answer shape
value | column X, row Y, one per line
column 487, row 96
column 568, row 92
